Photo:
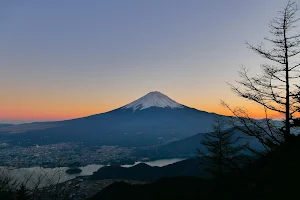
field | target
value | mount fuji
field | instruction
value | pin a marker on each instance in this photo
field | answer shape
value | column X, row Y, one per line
column 153, row 99
column 150, row 120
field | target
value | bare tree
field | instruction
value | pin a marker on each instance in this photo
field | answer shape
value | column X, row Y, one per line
column 37, row 184
column 223, row 153
column 265, row 130
column 275, row 89
column 7, row 185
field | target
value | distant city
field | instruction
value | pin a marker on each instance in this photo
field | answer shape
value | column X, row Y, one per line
column 61, row 154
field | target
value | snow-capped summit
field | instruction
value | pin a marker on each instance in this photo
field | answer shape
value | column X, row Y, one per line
column 153, row 99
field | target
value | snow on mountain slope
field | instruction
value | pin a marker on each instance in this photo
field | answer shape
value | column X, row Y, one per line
column 153, row 99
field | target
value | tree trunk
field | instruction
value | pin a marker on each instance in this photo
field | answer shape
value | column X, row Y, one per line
column 287, row 104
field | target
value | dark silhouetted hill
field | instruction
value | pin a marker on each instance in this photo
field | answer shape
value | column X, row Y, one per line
column 187, row 147
column 144, row 172
column 166, row 188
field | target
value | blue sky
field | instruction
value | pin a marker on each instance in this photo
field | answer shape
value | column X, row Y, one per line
column 65, row 59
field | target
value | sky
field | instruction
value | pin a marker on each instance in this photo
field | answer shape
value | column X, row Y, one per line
column 64, row 59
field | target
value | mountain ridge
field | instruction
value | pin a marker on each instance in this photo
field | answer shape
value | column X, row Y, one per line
column 150, row 120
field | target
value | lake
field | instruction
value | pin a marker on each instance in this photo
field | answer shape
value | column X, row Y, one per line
column 48, row 176
column 158, row 163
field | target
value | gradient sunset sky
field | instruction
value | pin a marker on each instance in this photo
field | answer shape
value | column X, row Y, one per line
column 68, row 59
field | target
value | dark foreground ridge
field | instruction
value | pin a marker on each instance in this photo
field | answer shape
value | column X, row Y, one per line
column 274, row 176
column 166, row 188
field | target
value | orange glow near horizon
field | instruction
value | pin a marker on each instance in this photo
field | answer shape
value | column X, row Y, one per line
column 48, row 114
column 65, row 116
column 40, row 112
